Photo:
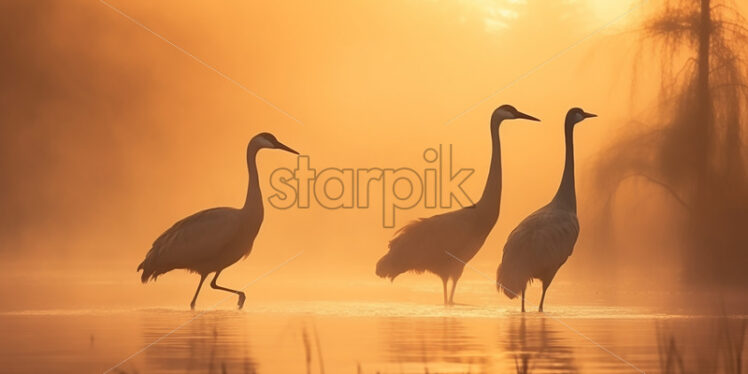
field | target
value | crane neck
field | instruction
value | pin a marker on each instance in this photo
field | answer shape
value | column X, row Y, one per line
column 253, row 201
column 566, row 196
column 490, row 202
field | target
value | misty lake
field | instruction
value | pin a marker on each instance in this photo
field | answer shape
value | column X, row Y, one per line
column 341, row 337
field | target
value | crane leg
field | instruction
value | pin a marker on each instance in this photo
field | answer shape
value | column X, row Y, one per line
column 523, row 301
column 199, row 286
column 444, row 284
column 215, row 286
column 452, row 293
column 542, row 298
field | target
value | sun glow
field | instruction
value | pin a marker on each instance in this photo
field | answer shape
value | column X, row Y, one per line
column 608, row 10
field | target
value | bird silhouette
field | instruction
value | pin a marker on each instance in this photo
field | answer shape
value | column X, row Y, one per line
column 543, row 241
column 213, row 239
column 444, row 243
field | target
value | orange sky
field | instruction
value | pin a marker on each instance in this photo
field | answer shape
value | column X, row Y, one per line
column 115, row 134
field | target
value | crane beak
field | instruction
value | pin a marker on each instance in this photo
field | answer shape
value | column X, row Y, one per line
column 588, row 115
column 526, row 116
column 285, row 148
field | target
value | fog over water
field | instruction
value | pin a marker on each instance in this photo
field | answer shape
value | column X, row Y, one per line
column 117, row 119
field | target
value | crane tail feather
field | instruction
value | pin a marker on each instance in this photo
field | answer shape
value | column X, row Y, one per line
column 511, row 281
column 149, row 273
column 386, row 268
column 145, row 276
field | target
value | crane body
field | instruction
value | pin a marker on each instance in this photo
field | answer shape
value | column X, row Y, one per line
column 543, row 241
column 213, row 239
column 444, row 243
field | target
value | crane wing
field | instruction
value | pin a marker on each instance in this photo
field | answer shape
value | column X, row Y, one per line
column 541, row 242
column 423, row 244
column 437, row 233
column 191, row 240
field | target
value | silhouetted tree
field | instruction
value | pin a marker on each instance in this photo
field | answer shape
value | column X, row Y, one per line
column 696, row 149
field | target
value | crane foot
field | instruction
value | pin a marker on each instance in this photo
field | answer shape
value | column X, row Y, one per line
column 242, row 297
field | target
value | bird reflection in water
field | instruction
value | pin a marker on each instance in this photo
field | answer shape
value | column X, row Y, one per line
column 433, row 345
column 209, row 344
column 537, row 348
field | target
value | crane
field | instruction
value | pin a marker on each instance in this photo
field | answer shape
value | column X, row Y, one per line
column 543, row 241
column 444, row 243
column 213, row 239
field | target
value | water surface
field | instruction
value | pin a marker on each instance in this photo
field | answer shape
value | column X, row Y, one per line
column 338, row 337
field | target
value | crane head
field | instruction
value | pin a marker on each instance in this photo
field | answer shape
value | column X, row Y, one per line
column 509, row 112
column 576, row 115
column 268, row 140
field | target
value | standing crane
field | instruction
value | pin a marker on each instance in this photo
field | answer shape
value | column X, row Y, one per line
column 444, row 243
column 213, row 239
column 543, row 241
